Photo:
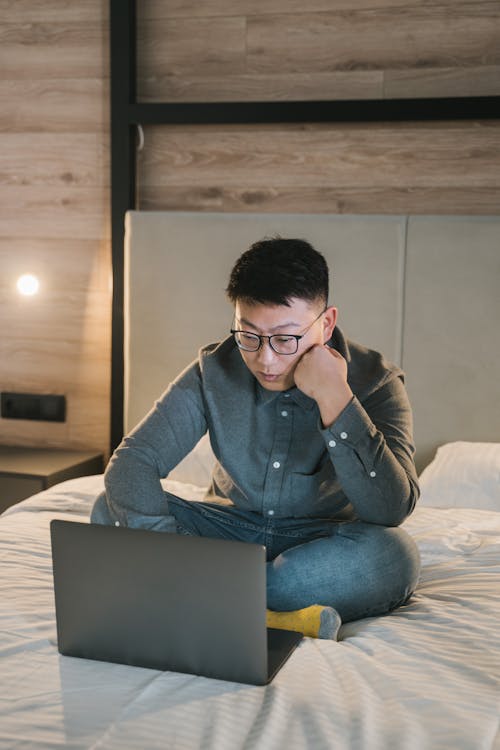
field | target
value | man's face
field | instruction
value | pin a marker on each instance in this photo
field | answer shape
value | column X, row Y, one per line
column 275, row 371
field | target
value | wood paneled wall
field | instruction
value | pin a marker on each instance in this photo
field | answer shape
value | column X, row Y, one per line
column 215, row 50
column 410, row 168
column 54, row 188
column 54, row 196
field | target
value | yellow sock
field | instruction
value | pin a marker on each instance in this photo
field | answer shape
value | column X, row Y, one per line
column 315, row 621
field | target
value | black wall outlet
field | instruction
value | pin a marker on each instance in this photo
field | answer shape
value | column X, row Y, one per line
column 33, row 406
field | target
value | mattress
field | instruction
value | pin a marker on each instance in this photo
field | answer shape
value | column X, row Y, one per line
column 424, row 676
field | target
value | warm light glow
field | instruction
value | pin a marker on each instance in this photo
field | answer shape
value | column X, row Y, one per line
column 28, row 284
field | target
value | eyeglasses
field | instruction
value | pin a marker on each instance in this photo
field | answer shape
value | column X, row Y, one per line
column 281, row 343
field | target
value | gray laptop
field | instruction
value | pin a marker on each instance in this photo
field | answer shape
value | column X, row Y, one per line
column 165, row 601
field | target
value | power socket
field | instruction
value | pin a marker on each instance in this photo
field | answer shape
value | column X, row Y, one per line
column 33, row 406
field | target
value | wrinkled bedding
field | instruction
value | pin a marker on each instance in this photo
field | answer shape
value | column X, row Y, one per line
column 424, row 676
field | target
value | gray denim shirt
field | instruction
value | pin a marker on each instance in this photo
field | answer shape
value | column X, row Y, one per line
column 273, row 455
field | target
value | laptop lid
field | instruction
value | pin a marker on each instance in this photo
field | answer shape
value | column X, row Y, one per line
column 164, row 601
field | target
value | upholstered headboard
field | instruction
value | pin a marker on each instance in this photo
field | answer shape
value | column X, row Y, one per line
column 423, row 290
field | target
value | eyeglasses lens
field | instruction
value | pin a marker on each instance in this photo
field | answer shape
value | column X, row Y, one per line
column 250, row 342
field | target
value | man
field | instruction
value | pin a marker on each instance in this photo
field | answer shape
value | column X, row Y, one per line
column 313, row 440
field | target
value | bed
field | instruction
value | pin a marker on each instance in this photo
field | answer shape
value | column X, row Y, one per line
column 425, row 676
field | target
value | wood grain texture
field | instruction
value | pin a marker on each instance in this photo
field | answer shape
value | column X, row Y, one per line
column 183, row 46
column 60, row 50
column 50, row 11
column 160, row 9
column 54, row 212
column 54, row 149
column 54, row 193
column 69, row 159
column 208, row 51
column 379, row 200
column 64, row 105
column 58, row 341
column 400, row 156
column 440, row 82
column 270, row 87
column 366, row 39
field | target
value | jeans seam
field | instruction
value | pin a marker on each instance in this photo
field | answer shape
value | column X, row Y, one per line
column 264, row 528
column 229, row 521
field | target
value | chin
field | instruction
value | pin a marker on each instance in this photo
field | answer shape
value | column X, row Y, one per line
column 279, row 384
column 273, row 386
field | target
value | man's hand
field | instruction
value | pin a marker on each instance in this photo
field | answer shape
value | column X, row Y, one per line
column 321, row 374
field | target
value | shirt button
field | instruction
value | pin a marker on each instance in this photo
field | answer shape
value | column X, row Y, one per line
column 343, row 435
column 117, row 523
column 286, row 395
column 332, row 443
column 276, row 465
column 270, row 512
column 373, row 473
column 284, row 414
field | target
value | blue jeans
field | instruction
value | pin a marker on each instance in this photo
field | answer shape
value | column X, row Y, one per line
column 359, row 569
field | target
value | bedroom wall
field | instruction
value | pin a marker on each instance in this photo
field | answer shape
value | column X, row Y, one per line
column 54, row 187
column 54, row 195
column 285, row 49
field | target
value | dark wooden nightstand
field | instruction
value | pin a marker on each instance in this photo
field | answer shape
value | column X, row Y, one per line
column 25, row 471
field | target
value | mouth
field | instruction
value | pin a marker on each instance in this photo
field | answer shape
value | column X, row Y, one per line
column 269, row 377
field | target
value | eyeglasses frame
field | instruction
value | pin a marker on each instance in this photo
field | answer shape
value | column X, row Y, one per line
column 261, row 337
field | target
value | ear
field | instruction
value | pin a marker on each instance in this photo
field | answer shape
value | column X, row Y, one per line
column 329, row 321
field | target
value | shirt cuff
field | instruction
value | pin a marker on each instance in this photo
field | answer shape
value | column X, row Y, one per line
column 352, row 426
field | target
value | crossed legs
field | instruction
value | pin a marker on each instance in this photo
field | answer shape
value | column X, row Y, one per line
column 358, row 569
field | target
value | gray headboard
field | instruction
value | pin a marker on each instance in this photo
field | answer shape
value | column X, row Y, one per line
column 423, row 290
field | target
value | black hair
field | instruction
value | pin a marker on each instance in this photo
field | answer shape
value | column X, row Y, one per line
column 275, row 270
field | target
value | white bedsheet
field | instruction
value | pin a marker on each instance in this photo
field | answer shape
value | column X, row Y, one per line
column 425, row 676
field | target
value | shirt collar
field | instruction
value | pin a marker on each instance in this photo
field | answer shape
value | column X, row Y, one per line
column 264, row 396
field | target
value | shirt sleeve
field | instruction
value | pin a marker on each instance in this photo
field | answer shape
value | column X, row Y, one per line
column 371, row 448
column 153, row 448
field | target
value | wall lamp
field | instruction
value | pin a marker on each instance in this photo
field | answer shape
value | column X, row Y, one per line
column 28, row 285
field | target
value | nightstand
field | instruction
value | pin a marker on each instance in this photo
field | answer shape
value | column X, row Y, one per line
column 25, row 471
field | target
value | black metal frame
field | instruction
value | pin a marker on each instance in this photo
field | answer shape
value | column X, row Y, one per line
column 127, row 114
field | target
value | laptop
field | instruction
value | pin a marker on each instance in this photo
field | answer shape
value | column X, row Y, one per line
column 165, row 601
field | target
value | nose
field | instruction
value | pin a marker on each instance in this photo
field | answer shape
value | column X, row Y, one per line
column 265, row 354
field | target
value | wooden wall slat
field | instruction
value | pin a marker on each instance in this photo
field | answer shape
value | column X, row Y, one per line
column 61, row 50
column 50, row 11
column 213, row 46
column 69, row 159
column 341, row 85
column 423, row 37
column 441, row 82
column 54, row 211
column 64, row 105
column 380, row 200
column 160, row 10
column 284, row 50
column 384, row 168
column 360, row 84
column 338, row 156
